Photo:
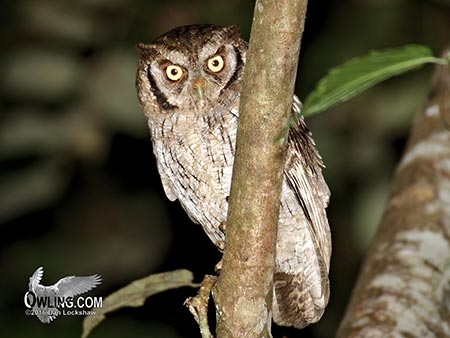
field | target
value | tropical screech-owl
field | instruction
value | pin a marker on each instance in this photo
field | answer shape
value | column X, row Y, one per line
column 188, row 84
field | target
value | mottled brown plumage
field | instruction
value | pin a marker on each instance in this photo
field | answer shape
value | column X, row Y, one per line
column 189, row 83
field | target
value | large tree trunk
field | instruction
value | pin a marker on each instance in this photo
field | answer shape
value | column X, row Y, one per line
column 404, row 286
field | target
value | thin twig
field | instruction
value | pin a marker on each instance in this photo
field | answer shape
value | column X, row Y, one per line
column 198, row 305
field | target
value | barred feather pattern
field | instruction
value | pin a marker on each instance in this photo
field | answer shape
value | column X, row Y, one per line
column 194, row 142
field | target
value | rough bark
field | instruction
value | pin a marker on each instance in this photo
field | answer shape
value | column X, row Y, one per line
column 243, row 294
column 404, row 286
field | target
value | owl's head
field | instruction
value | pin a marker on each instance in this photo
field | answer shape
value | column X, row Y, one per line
column 192, row 68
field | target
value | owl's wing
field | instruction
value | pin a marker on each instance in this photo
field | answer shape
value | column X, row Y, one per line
column 167, row 184
column 301, row 285
column 303, row 171
column 36, row 278
column 72, row 285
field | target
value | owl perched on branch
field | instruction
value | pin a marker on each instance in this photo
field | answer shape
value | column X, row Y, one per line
column 189, row 82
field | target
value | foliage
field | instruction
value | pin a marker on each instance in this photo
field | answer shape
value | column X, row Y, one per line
column 358, row 74
column 135, row 294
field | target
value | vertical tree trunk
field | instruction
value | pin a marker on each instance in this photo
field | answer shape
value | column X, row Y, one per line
column 243, row 294
column 404, row 286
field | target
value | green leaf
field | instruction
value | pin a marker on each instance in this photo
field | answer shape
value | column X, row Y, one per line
column 359, row 74
column 135, row 294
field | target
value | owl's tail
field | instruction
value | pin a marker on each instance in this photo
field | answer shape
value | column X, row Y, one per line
column 298, row 302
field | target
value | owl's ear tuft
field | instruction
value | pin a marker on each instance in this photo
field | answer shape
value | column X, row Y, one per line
column 233, row 32
column 145, row 51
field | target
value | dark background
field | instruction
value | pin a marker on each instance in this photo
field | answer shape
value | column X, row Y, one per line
column 79, row 190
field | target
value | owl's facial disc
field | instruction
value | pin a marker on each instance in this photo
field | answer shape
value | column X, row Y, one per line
column 195, row 67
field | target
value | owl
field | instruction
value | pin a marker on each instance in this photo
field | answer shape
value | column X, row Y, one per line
column 188, row 83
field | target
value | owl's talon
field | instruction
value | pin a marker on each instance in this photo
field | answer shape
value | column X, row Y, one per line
column 218, row 267
column 221, row 245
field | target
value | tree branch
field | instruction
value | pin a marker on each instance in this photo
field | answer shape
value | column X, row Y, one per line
column 198, row 305
column 404, row 286
column 243, row 294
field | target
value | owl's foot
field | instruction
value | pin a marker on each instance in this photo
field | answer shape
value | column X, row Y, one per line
column 221, row 247
column 218, row 267
column 221, row 244
column 223, row 226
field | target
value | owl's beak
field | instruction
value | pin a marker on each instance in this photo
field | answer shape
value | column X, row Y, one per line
column 198, row 86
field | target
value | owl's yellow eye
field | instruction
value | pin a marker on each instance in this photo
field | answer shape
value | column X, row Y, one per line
column 174, row 73
column 215, row 64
